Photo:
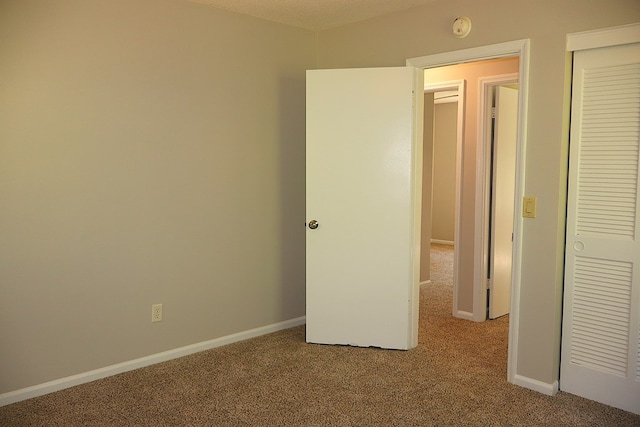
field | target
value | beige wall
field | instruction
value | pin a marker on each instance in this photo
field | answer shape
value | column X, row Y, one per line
column 390, row 40
column 470, row 73
column 151, row 151
column 444, row 171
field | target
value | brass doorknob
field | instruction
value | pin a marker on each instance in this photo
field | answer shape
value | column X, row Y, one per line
column 313, row 224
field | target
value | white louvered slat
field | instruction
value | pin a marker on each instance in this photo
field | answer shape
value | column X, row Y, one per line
column 602, row 296
column 609, row 151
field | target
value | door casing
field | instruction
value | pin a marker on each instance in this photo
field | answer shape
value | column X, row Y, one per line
column 482, row 193
column 518, row 48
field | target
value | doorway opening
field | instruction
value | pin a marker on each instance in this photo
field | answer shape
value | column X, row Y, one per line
column 473, row 212
column 499, row 114
column 446, row 188
column 442, row 143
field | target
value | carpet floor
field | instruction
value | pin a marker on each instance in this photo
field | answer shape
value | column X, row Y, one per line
column 455, row 377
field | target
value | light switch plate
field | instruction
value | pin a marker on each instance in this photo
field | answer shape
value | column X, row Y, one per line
column 529, row 207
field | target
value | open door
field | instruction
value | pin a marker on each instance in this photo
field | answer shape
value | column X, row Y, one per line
column 502, row 200
column 364, row 158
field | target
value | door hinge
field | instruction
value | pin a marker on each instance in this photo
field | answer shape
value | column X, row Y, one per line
column 493, row 112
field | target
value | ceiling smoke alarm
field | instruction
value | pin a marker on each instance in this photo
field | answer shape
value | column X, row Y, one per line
column 461, row 27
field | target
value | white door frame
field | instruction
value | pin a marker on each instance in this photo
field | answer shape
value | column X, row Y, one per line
column 518, row 48
column 482, row 193
column 458, row 85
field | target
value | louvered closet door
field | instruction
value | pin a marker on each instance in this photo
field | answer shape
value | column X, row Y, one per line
column 601, row 323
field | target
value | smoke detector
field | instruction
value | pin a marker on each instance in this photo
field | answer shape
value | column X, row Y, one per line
column 461, row 27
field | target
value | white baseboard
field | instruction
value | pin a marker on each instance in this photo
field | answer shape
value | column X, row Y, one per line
column 442, row 242
column 535, row 385
column 463, row 315
column 96, row 374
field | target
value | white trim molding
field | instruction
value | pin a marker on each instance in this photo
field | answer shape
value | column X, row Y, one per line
column 550, row 389
column 442, row 242
column 107, row 371
column 614, row 36
column 482, row 53
column 461, row 314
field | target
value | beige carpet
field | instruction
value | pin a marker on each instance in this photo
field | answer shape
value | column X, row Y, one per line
column 456, row 376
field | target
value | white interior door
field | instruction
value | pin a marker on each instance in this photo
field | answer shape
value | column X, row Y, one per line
column 601, row 317
column 364, row 157
column 502, row 200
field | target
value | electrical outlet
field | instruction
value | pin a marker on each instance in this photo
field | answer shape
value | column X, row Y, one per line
column 156, row 312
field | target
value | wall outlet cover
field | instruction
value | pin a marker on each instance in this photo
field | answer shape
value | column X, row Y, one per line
column 156, row 313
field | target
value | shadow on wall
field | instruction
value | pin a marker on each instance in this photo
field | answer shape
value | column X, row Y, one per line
column 292, row 232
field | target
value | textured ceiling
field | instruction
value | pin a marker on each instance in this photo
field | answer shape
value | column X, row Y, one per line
column 314, row 14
